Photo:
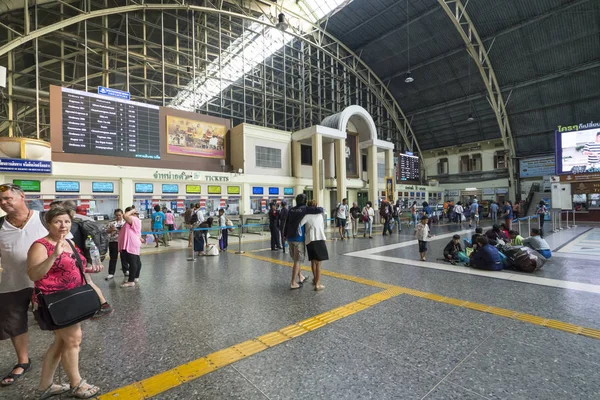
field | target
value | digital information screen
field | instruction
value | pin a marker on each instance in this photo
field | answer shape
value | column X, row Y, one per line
column 67, row 186
column 257, row 190
column 409, row 167
column 28, row 186
column 144, row 188
column 170, row 188
column 274, row 190
column 101, row 125
column 103, row 187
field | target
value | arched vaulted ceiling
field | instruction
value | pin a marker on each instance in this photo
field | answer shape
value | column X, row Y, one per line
column 545, row 53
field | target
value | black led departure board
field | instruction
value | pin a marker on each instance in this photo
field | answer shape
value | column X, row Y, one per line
column 101, row 125
column 409, row 167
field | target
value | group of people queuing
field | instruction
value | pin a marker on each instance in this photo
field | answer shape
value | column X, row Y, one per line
column 199, row 228
column 45, row 253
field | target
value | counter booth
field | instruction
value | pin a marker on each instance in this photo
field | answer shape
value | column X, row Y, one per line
column 288, row 195
column 232, row 202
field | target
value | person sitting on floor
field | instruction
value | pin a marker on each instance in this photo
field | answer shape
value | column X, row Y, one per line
column 486, row 257
column 536, row 242
column 504, row 230
column 495, row 234
column 452, row 249
column 515, row 238
column 472, row 243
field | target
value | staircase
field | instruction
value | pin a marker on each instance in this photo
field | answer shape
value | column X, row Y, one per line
column 535, row 200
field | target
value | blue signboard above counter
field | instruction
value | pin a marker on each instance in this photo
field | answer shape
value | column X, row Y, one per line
column 288, row 191
column 274, row 190
column 170, row 188
column 67, row 186
column 258, row 190
column 103, row 187
column 144, row 188
column 25, row 166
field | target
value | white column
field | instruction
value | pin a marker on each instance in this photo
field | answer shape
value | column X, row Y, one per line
column 318, row 173
column 245, row 199
column 296, row 160
column 340, row 168
column 372, row 174
column 125, row 193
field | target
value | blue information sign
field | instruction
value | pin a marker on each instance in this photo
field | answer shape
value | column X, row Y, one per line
column 113, row 93
column 103, row 187
column 67, row 186
column 258, row 190
column 25, row 166
column 170, row 188
column 274, row 190
column 144, row 188
column 288, row 191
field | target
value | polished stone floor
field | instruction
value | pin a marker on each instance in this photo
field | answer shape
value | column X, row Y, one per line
column 440, row 332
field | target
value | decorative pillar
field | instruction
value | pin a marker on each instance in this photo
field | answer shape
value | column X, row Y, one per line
column 372, row 174
column 318, row 168
column 340, row 168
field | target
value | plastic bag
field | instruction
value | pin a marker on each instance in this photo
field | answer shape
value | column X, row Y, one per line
column 463, row 257
column 463, row 218
column 149, row 239
column 524, row 259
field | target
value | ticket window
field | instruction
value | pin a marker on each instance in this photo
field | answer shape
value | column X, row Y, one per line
column 289, row 200
column 35, row 204
column 233, row 206
column 212, row 206
column 103, row 207
column 256, row 205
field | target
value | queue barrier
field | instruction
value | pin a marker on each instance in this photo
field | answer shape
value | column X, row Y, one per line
column 557, row 220
column 528, row 219
column 239, row 234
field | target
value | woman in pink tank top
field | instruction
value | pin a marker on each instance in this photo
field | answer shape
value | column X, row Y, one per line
column 52, row 266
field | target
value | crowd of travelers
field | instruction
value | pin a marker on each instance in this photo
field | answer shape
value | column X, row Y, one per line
column 49, row 254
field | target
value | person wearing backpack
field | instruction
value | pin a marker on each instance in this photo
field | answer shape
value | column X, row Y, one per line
column 385, row 213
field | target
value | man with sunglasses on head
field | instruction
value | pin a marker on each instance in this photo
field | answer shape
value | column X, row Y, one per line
column 20, row 227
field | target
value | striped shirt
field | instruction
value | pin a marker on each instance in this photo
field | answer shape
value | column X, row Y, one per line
column 593, row 147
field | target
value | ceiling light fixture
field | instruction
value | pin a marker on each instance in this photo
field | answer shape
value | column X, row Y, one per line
column 282, row 25
column 409, row 78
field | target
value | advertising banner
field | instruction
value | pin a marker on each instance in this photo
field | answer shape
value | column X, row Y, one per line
column 188, row 137
column 537, row 167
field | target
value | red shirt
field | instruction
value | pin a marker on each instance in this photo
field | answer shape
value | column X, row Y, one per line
column 64, row 273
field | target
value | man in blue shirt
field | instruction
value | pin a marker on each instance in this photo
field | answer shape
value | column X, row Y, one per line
column 494, row 212
column 474, row 213
column 158, row 226
column 295, row 237
column 486, row 256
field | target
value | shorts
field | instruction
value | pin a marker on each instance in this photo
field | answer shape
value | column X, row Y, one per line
column 422, row 246
column 13, row 313
column 317, row 251
column 297, row 251
column 341, row 223
column 171, row 227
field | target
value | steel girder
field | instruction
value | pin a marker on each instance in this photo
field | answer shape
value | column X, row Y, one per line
column 457, row 12
column 329, row 75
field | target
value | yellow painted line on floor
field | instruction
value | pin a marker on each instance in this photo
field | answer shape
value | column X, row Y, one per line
column 177, row 376
column 397, row 290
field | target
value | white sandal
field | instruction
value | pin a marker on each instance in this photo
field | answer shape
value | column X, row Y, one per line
column 77, row 392
column 51, row 391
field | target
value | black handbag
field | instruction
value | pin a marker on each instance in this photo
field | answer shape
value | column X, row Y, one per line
column 68, row 307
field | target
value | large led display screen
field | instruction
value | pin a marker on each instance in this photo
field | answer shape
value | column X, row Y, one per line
column 188, row 137
column 408, row 168
column 578, row 151
column 107, row 126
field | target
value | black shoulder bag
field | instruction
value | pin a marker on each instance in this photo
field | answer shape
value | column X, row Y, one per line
column 68, row 307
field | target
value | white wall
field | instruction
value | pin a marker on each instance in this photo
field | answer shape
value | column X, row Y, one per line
column 266, row 137
column 487, row 152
